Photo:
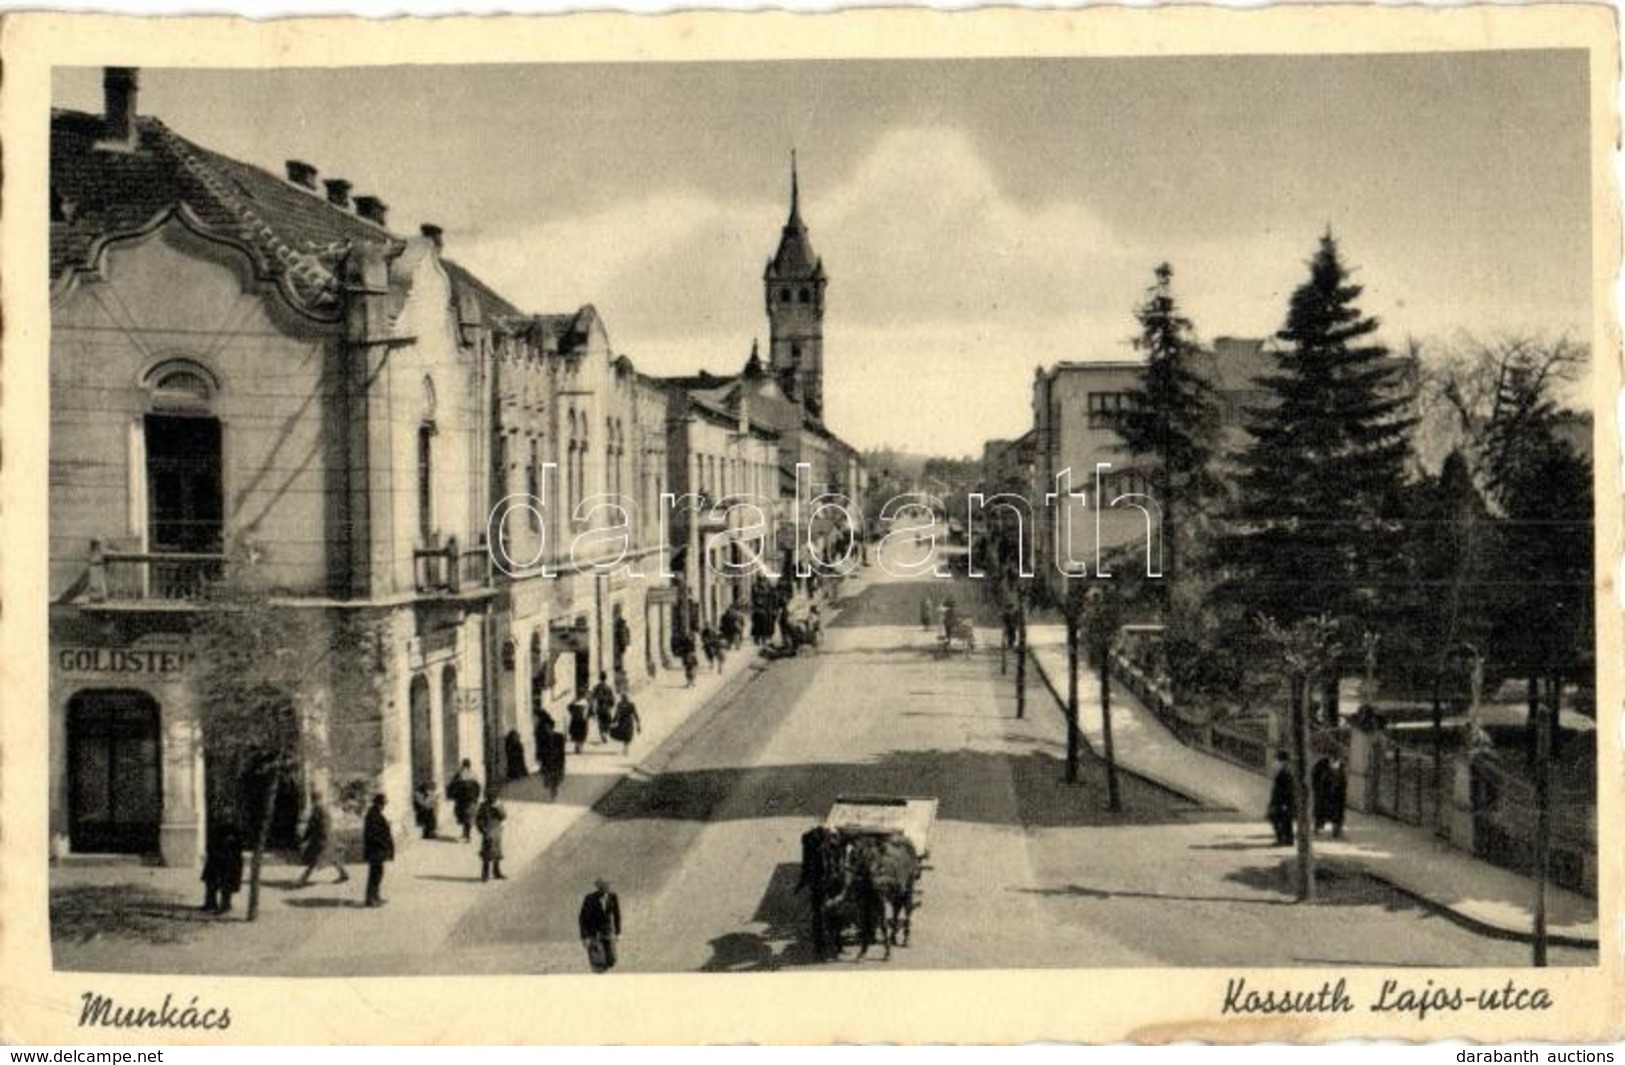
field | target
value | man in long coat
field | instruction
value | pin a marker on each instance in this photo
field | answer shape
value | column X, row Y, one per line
column 222, row 866
column 1329, row 781
column 318, row 842
column 1283, row 808
column 378, row 847
column 552, row 759
column 603, row 706
column 600, row 925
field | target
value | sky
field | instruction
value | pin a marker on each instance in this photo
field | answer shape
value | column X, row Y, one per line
column 977, row 218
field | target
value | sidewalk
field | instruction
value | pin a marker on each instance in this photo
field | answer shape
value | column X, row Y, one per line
column 1490, row 898
column 323, row 929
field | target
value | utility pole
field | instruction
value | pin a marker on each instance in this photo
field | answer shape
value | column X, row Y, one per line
column 1543, row 813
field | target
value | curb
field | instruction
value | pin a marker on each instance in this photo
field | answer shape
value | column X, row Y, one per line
column 1459, row 917
column 1455, row 916
column 1149, row 778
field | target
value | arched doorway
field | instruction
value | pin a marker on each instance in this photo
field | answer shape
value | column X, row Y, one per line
column 449, row 746
column 421, row 729
column 115, row 783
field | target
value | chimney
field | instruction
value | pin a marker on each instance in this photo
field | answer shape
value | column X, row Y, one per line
column 435, row 234
column 302, row 174
column 338, row 192
column 119, row 86
column 372, row 209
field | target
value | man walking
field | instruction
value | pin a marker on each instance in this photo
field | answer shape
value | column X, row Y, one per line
column 378, row 847
column 464, row 793
column 318, row 842
column 603, row 706
column 600, row 923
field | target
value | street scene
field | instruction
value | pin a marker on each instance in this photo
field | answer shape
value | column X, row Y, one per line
column 1094, row 565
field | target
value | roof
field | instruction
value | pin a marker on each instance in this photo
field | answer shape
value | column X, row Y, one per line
column 794, row 261
column 490, row 301
column 295, row 235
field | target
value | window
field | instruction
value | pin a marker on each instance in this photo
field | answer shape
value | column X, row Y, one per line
column 184, row 498
column 426, row 483
column 533, row 486
column 1106, row 408
column 802, row 295
column 795, row 352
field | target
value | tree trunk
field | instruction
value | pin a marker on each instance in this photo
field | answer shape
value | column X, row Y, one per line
column 1531, row 726
column 262, row 836
column 1300, row 784
column 1114, row 800
column 1071, row 699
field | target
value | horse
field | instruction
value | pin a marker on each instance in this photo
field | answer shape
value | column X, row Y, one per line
column 884, row 872
column 826, row 872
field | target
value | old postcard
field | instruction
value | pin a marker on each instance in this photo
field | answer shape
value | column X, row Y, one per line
column 1092, row 525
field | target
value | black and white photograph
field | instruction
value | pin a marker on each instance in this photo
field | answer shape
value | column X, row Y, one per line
column 827, row 516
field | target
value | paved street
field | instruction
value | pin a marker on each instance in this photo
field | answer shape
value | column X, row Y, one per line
column 1024, row 871
column 702, row 843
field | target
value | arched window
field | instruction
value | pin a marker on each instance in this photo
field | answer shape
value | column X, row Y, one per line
column 176, row 475
column 181, row 385
column 802, row 295
column 784, row 295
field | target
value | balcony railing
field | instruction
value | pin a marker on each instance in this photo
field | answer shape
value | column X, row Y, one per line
column 174, row 576
column 449, row 571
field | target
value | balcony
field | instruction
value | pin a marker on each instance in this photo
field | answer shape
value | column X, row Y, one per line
column 163, row 576
column 446, row 570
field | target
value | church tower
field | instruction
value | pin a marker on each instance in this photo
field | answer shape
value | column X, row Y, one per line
column 794, row 286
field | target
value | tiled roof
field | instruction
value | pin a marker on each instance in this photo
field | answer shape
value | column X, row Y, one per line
column 296, row 235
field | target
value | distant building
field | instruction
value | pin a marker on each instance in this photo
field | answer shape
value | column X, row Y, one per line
column 1076, row 408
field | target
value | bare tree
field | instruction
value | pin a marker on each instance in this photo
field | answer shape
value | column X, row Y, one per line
column 1461, row 382
column 262, row 692
column 1307, row 651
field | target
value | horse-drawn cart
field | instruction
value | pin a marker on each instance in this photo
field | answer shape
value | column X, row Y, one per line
column 885, row 815
column 863, row 865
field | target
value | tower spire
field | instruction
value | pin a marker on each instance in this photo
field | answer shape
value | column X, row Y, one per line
column 795, row 191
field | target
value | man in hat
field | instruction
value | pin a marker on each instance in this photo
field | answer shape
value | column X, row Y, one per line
column 377, row 846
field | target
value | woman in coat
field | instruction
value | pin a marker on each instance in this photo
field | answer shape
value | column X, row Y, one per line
column 578, row 723
column 513, row 748
column 489, row 822
column 552, row 759
column 627, row 724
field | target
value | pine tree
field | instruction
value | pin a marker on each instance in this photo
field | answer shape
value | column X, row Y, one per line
column 1321, row 482
column 1172, row 422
